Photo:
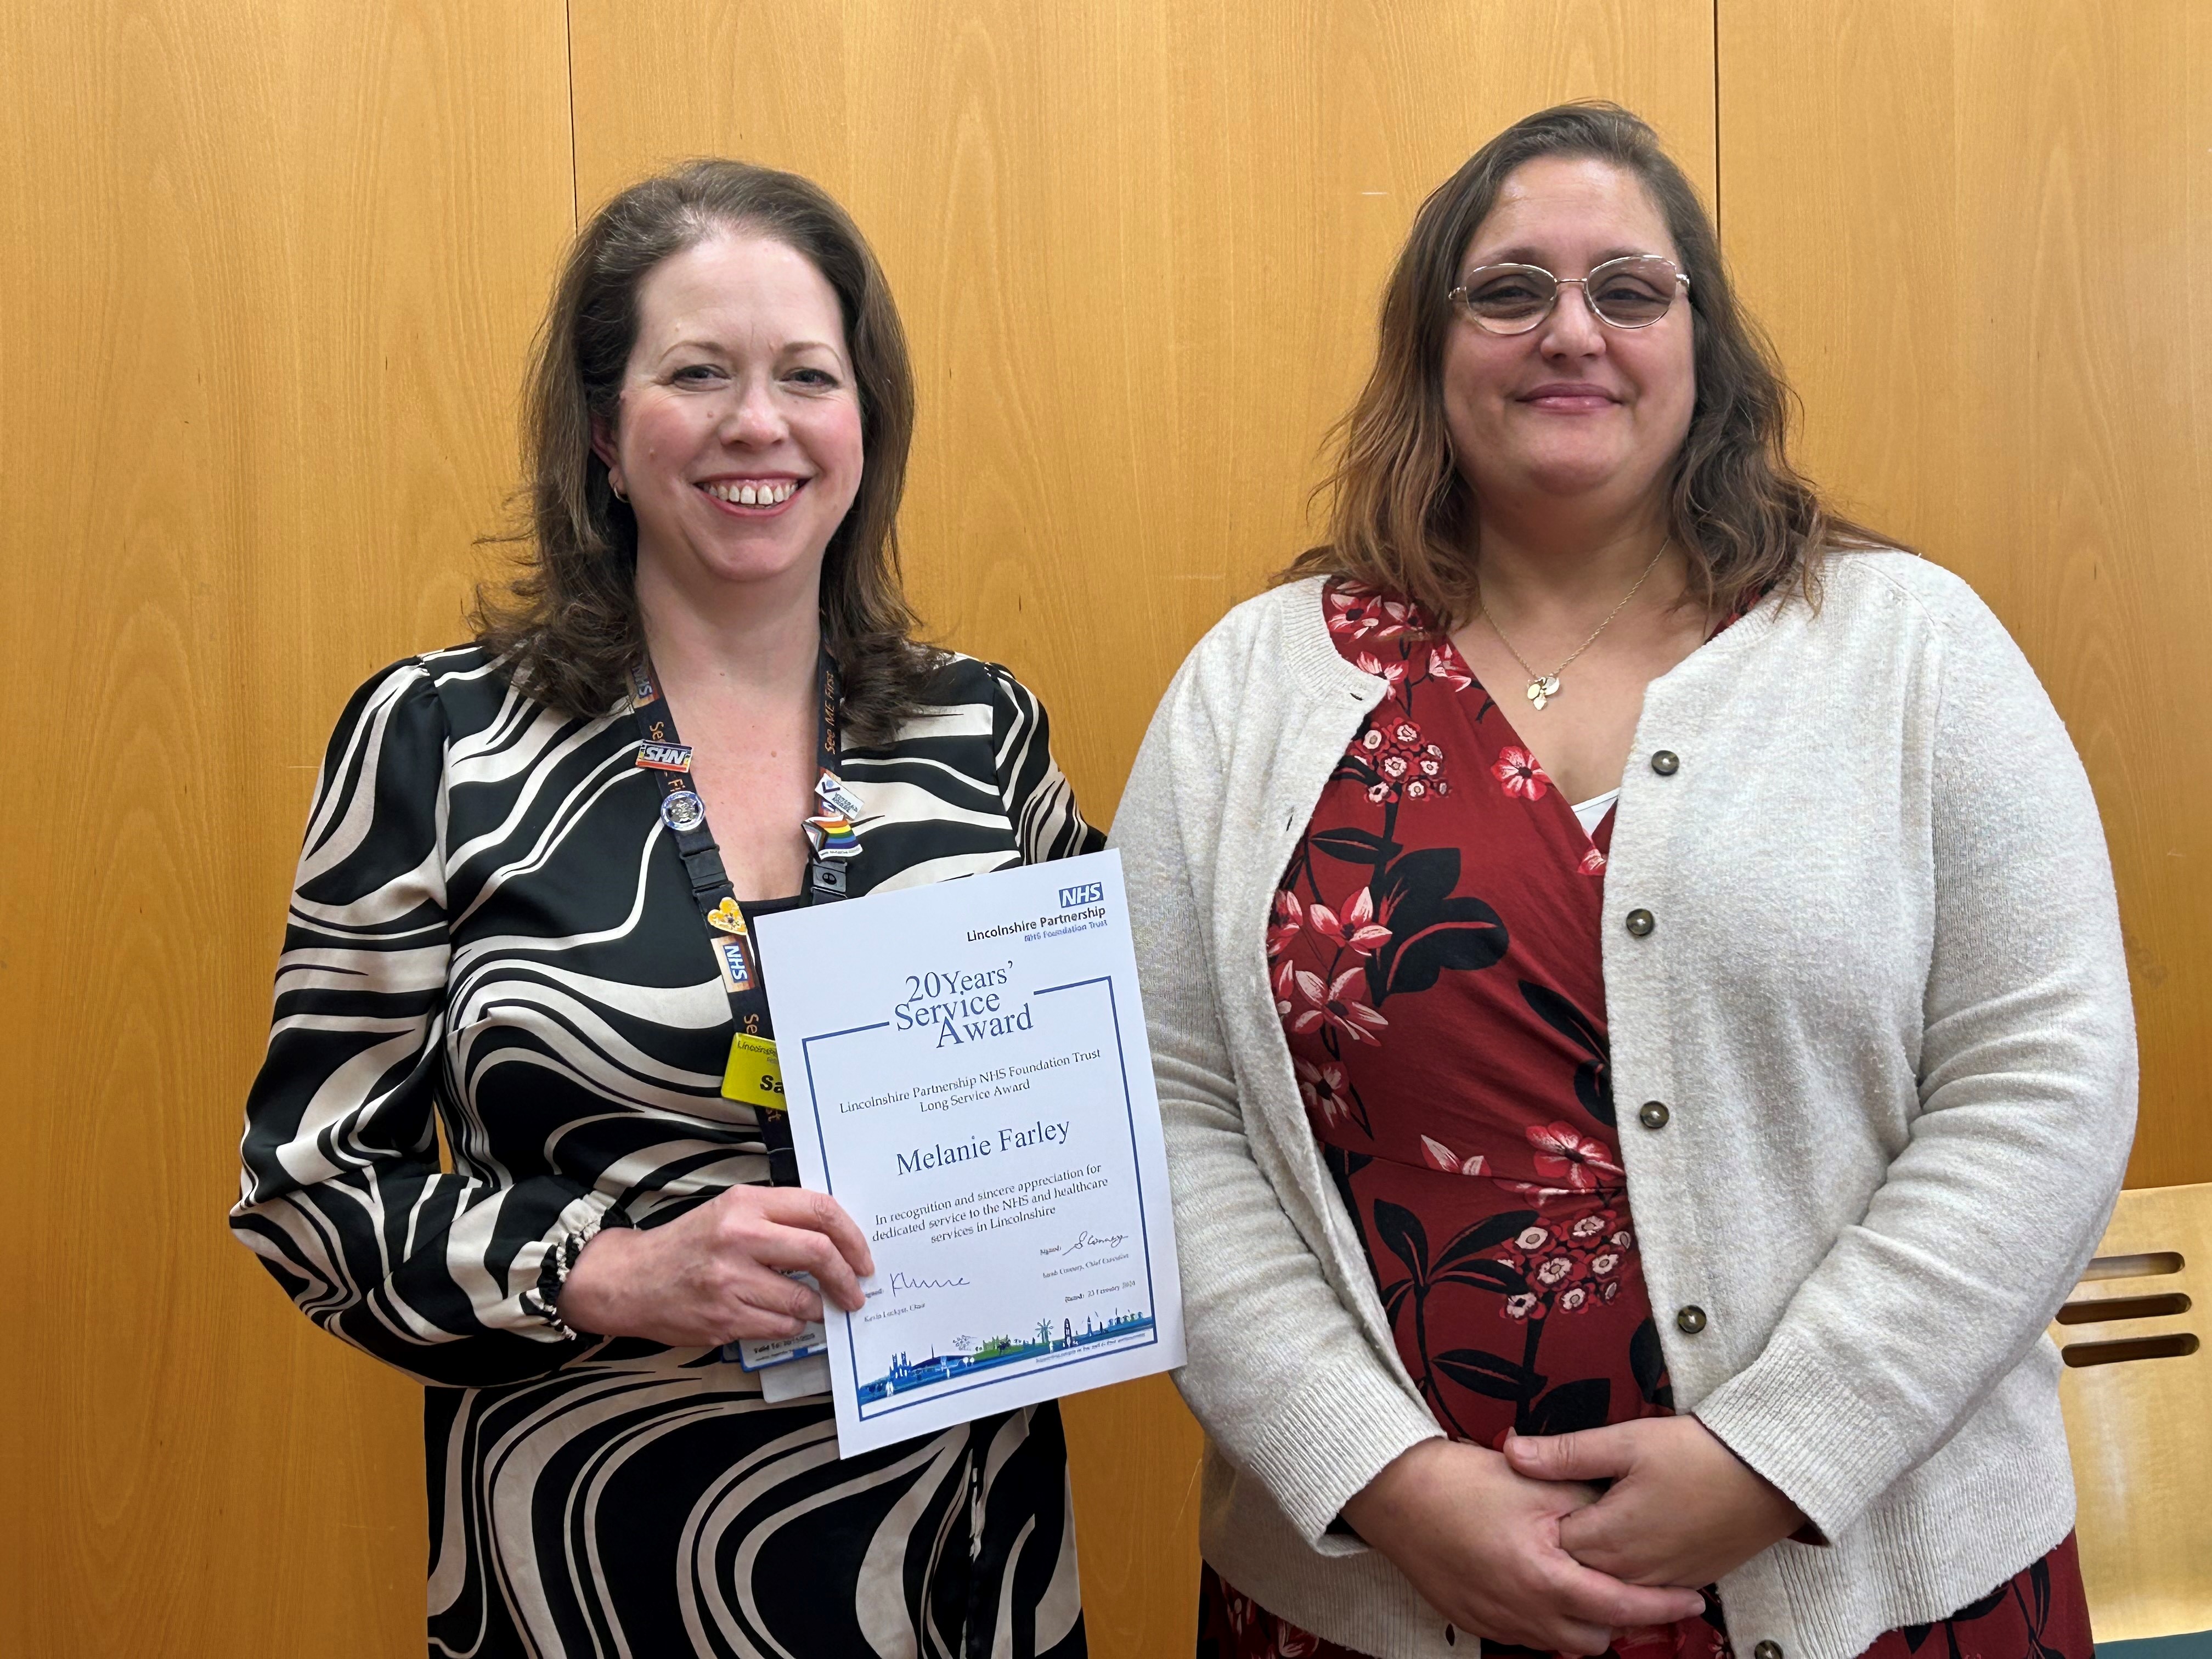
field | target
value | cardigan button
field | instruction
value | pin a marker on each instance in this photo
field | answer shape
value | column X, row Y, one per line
column 1767, row 1650
column 1654, row 1114
column 1690, row 1321
column 1666, row 763
column 1641, row 922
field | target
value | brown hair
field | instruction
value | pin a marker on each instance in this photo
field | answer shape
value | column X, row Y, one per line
column 1402, row 516
column 568, row 619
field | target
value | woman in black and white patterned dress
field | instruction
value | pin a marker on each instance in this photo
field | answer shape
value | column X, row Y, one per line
column 496, row 933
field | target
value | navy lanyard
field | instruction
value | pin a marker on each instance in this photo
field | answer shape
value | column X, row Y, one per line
column 737, row 953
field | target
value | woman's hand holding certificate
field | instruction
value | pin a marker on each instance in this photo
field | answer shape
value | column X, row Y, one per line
column 967, row 1074
column 719, row 1273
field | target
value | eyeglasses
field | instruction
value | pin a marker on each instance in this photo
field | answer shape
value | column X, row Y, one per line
column 1634, row 292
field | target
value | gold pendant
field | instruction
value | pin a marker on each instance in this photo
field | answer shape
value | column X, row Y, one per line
column 1543, row 689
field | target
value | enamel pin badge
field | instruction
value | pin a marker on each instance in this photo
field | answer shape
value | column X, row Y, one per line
column 730, row 961
column 682, row 810
column 836, row 800
column 665, row 757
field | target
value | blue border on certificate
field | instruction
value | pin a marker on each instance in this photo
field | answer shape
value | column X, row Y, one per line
column 931, row 1394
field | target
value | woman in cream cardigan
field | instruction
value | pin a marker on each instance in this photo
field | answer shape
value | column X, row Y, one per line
column 1595, row 817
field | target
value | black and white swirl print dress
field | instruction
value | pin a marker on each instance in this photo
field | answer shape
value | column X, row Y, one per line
column 492, row 936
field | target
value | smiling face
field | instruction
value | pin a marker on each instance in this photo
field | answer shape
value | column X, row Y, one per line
column 738, row 437
column 1572, row 411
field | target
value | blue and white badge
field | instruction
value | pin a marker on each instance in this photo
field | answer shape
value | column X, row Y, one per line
column 730, row 961
column 759, row 1353
column 836, row 797
column 681, row 810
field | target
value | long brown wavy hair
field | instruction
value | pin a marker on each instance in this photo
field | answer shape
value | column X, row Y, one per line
column 567, row 618
column 1402, row 516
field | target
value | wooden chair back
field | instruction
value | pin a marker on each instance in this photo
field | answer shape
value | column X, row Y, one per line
column 2138, row 1395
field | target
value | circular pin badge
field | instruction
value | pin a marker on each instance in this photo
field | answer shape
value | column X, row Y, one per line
column 681, row 810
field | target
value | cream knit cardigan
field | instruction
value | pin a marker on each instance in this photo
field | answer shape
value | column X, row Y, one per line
column 1885, row 1002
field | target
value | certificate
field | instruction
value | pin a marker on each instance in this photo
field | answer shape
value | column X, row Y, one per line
column 967, row 1073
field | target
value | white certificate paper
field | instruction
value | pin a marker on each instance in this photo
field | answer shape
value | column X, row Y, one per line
column 968, row 1075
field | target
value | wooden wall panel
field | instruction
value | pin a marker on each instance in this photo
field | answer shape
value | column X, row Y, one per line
column 270, row 269
column 1981, row 231
column 1138, row 245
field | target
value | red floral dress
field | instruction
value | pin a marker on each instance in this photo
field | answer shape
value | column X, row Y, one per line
column 1434, row 950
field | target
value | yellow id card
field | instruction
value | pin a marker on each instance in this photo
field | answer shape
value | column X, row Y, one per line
column 753, row 1075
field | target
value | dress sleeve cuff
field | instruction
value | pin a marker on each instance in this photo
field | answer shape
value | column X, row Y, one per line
column 561, row 1250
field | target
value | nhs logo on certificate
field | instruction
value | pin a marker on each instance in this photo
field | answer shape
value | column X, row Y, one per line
column 967, row 1073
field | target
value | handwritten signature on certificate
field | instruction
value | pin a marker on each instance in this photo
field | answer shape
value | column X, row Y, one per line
column 902, row 1283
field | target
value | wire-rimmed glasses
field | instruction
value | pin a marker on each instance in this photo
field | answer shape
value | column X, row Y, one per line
column 1633, row 292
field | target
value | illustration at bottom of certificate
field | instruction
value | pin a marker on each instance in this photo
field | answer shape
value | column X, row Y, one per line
column 1051, row 1290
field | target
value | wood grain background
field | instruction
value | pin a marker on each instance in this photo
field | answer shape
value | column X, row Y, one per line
column 1982, row 234
column 272, row 269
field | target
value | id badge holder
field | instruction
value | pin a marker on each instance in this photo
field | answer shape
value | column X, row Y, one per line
column 759, row 1353
column 753, row 1074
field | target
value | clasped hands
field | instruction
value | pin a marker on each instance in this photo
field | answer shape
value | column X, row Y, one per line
column 1523, row 1547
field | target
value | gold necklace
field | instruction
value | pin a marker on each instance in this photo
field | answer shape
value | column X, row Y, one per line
column 1542, row 688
